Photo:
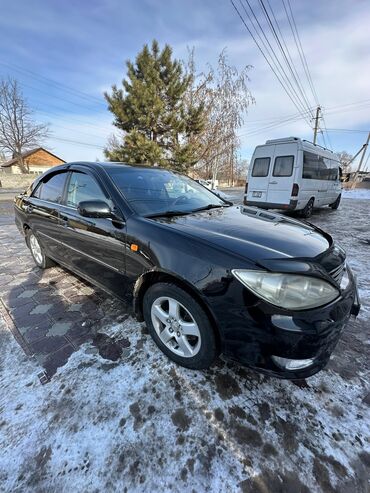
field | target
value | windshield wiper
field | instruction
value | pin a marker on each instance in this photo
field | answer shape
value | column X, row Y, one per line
column 210, row 206
column 168, row 213
column 183, row 213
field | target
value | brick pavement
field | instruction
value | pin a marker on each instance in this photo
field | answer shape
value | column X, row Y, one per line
column 53, row 311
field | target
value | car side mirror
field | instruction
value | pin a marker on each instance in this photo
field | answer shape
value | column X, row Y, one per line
column 94, row 208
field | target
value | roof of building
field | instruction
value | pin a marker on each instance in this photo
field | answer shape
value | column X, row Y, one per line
column 13, row 161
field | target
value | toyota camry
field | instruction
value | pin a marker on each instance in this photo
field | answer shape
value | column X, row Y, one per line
column 207, row 277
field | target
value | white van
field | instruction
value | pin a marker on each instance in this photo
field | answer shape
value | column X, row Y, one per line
column 293, row 174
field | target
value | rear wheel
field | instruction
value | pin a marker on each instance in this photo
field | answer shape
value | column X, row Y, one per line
column 307, row 211
column 179, row 326
column 335, row 204
column 37, row 251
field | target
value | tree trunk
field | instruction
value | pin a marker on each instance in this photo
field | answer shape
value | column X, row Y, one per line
column 22, row 165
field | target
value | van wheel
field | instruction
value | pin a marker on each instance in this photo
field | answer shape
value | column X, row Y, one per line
column 179, row 326
column 335, row 204
column 307, row 211
column 37, row 251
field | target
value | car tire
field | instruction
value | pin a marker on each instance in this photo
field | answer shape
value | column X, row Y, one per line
column 179, row 326
column 307, row 211
column 335, row 204
column 37, row 251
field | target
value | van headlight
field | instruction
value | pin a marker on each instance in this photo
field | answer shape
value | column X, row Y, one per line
column 290, row 291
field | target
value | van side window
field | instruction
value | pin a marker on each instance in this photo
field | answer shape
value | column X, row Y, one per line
column 324, row 168
column 334, row 171
column 261, row 166
column 310, row 166
column 283, row 166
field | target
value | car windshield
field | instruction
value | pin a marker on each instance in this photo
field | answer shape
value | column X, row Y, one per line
column 154, row 191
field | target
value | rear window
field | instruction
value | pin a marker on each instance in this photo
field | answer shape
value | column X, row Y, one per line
column 261, row 166
column 51, row 189
column 283, row 166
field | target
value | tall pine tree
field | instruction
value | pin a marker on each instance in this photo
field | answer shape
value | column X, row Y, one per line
column 152, row 110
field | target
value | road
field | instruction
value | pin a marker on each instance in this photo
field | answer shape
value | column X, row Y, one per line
column 116, row 414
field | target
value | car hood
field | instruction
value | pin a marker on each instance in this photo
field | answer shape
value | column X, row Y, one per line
column 252, row 233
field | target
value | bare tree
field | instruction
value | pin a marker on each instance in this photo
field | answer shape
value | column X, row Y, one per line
column 241, row 169
column 18, row 131
column 224, row 93
column 345, row 160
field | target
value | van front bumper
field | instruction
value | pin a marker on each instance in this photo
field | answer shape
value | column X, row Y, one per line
column 271, row 205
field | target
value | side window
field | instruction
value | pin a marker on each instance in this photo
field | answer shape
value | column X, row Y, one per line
column 310, row 166
column 334, row 170
column 83, row 187
column 37, row 191
column 51, row 189
column 261, row 166
column 324, row 168
column 283, row 166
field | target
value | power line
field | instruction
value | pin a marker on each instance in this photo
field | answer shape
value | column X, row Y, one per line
column 301, row 53
column 49, row 81
column 71, row 141
column 264, row 56
column 283, row 52
column 271, row 52
column 348, row 130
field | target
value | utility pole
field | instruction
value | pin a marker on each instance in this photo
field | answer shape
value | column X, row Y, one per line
column 361, row 160
column 318, row 109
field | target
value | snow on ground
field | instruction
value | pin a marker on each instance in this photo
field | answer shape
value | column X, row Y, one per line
column 357, row 193
column 148, row 425
column 143, row 424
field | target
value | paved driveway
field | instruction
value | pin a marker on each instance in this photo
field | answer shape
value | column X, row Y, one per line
column 117, row 414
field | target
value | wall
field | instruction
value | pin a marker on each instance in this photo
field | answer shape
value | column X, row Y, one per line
column 21, row 181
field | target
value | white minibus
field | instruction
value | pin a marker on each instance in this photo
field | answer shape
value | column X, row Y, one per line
column 293, row 174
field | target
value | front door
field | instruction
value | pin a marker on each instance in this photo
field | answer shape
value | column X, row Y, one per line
column 94, row 247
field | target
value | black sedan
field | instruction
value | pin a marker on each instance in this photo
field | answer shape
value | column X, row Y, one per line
column 207, row 277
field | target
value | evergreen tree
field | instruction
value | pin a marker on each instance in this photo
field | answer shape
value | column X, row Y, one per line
column 151, row 109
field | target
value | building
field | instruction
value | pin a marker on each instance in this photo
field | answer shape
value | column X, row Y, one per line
column 37, row 161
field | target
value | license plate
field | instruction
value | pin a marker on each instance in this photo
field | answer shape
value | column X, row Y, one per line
column 257, row 194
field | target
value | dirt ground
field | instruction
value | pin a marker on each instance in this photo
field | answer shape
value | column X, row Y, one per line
column 116, row 415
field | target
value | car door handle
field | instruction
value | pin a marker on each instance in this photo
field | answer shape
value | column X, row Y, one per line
column 273, row 182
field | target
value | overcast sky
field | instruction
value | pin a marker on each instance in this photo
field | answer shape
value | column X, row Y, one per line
column 84, row 44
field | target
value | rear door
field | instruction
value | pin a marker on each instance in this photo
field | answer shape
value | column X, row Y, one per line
column 43, row 206
column 259, row 175
column 282, row 174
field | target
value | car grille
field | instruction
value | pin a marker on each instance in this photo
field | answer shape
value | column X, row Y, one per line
column 337, row 273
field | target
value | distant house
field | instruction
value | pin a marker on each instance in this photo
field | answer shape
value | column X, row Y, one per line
column 38, row 160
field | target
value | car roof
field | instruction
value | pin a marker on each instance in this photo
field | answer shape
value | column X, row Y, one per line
column 107, row 165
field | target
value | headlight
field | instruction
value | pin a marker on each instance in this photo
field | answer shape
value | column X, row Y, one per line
column 290, row 291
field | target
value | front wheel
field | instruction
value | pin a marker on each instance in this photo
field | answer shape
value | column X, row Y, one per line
column 335, row 204
column 179, row 326
column 37, row 251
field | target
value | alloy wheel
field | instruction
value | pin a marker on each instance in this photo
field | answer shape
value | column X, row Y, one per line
column 36, row 249
column 176, row 327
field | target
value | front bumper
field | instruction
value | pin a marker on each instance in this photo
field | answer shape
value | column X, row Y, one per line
column 256, row 333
